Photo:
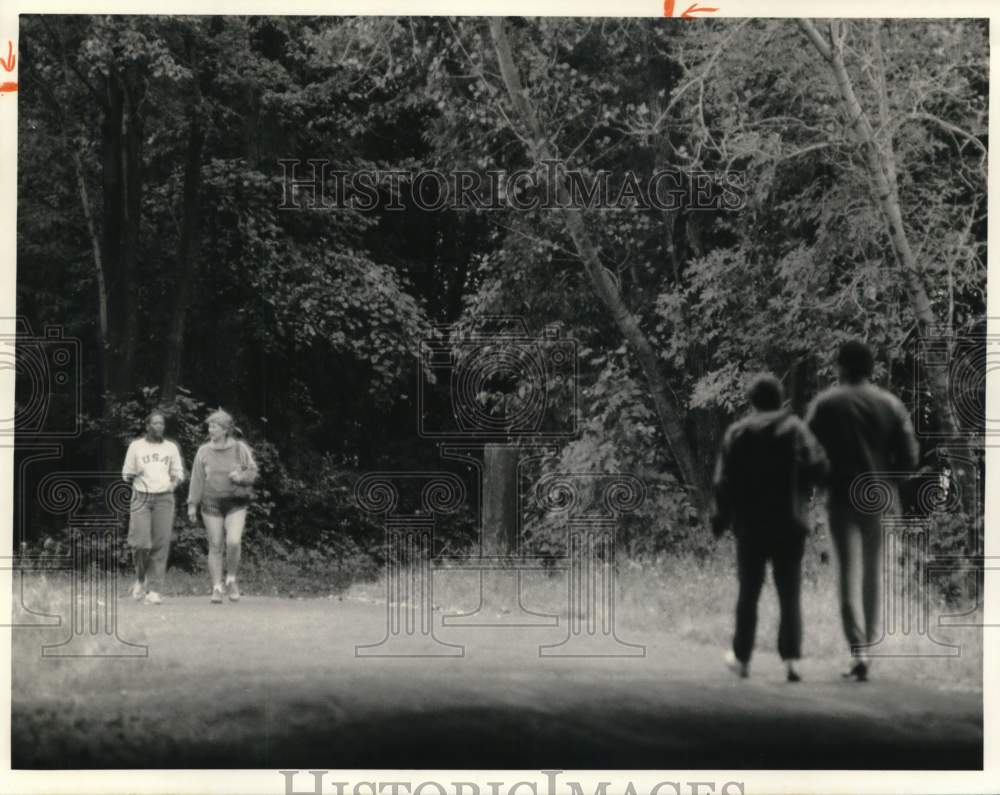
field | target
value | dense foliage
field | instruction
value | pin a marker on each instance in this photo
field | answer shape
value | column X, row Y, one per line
column 150, row 182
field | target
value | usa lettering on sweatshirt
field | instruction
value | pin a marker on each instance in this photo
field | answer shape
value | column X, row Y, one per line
column 153, row 465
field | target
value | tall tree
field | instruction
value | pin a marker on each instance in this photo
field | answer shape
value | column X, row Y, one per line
column 878, row 154
column 667, row 407
column 191, row 211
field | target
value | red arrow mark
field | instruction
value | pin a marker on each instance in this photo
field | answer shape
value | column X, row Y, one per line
column 694, row 8
column 689, row 13
column 8, row 64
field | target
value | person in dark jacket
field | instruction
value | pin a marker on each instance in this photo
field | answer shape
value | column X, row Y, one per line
column 864, row 430
column 766, row 470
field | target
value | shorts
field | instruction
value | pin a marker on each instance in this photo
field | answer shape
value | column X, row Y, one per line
column 223, row 506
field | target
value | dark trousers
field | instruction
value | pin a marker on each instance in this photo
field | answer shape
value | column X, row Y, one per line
column 857, row 538
column 752, row 556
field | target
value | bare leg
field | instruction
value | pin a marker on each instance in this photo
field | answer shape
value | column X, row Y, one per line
column 213, row 524
column 234, row 524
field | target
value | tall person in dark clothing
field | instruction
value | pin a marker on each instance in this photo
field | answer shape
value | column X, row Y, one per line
column 865, row 430
column 767, row 467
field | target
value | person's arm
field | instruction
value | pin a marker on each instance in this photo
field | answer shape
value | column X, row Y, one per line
column 248, row 467
column 131, row 467
column 905, row 448
column 813, row 420
column 721, row 513
column 197, row 484
column 812, row 457
column 176, row 468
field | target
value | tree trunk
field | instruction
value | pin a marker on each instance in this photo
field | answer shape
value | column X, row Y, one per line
column 111, row 184
column 667, row 406
column 76, row 150
column 186, row 259
column 102, row 287
column 880, row 164
column 499, row 499
column 132, row 204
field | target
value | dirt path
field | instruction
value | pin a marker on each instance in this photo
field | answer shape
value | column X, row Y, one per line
column 275, row 683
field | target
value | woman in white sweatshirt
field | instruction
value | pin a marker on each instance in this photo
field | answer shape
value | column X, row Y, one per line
column 154, row 467
column 221, row 476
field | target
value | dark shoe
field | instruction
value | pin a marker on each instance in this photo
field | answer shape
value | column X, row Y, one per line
column 858, row 671
column 793, row 675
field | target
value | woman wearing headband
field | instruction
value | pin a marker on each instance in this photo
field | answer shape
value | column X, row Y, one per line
column 221, row 479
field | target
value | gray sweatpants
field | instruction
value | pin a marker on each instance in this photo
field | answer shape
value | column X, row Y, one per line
column 151, row 523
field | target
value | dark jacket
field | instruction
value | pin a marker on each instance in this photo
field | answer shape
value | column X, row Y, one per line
column 863, row 429
column 767, row 467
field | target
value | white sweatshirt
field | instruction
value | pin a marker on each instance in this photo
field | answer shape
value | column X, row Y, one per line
column 153, row 464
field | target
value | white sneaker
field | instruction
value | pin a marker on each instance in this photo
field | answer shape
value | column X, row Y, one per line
column 138, row 591
column 217, row 595
column 153, row 598
column 741, row 669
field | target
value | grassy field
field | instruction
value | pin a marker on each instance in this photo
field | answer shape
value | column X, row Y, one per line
column 694, row 598
column 690, row 597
